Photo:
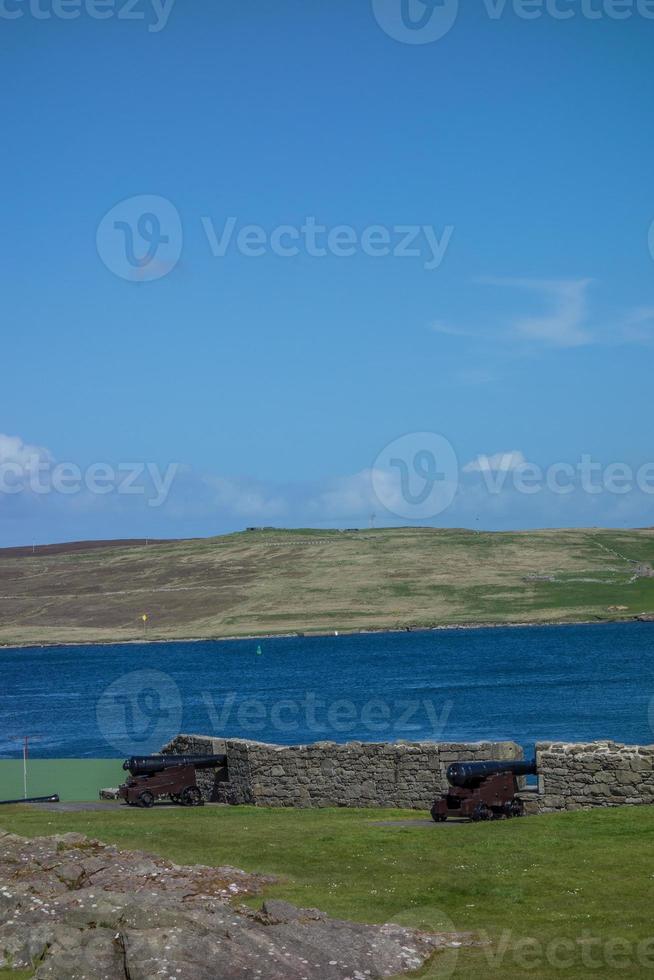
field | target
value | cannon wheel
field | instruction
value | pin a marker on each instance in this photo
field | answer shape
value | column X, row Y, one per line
column 192, row 797
column 482, row 812
column 146, row 799
column 436, row 815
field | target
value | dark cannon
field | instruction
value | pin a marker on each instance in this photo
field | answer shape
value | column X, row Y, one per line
column 148, row 765
column 483, row 790
column 54, row 798
column 174, row 776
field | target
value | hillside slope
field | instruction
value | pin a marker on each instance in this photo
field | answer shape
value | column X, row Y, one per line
column 274, row 581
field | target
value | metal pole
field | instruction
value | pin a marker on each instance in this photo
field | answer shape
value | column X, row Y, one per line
column 25, row 740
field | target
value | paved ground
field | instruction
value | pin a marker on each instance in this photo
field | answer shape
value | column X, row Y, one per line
column 75, row 807
column 101, row 805
column 115, row 805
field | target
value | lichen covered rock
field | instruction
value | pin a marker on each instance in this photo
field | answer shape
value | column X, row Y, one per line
column 77, row 909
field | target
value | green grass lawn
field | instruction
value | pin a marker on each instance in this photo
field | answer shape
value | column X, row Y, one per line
column 581, row 879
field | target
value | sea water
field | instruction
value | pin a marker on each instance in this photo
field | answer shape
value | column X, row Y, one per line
column 528, row 684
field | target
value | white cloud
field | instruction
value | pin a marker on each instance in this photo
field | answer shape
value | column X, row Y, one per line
column 247, row 498
column 565, row 323
column 341, row 498
column 562, row 324
column 345, row 496
column 498, row 462
column 22, row 454
column 488, row 496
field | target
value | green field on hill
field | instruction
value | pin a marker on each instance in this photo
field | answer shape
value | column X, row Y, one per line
column 567, row 895
column 276, row 581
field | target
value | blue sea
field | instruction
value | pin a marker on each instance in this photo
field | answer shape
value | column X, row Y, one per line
column 527, row 684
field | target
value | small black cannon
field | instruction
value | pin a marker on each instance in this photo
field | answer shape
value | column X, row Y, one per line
column 483, row 790
column 155, row 776
column 54, row 798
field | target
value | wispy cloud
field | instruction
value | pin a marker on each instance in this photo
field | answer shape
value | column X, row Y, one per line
column 639, row 325
column 449, row 330
column 345, row 496
column 247, row 498
column 505, row 462
column 564, row 323
column 565, row 319
column 200, row 502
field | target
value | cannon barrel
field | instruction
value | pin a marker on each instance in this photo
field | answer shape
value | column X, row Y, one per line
column 468, row 773
column 148, row 765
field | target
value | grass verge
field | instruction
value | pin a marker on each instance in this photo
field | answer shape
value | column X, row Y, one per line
column 566, row 895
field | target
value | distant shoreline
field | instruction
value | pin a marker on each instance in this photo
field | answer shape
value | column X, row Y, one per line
column 309, row 634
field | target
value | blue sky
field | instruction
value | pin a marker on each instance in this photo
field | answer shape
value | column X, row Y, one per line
column 275, row 382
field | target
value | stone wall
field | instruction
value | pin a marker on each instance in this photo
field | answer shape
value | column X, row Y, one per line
column 212, row 782
column 360, row 774
column 577, row 776
column 571, row 776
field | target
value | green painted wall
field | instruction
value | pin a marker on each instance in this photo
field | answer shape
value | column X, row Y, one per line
column 73, row 779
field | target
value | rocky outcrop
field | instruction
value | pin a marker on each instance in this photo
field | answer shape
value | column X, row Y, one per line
column 76, row 909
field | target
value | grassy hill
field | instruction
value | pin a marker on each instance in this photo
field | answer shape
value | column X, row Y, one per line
column 275, row 581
